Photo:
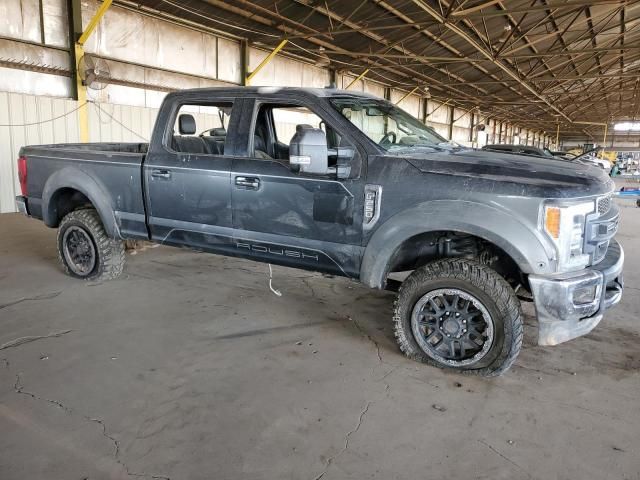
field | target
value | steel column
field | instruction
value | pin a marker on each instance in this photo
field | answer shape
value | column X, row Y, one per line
column 78, row 38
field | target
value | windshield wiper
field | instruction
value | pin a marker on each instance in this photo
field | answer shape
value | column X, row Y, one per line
column 396, row 148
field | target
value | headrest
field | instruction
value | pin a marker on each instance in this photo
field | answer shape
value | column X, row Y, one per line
column 303, row 126
column 186, row 124
column 218, row 132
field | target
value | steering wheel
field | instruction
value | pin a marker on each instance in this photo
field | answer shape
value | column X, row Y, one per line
column 388, row 139
column 208, row 130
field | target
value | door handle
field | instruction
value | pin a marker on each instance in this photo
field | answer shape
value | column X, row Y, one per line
column 250, row 183
column 161, row 174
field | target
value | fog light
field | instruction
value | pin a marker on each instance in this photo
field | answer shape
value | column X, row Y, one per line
column 584, row 295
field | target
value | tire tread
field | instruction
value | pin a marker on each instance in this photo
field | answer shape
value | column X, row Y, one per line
column 480, row 276
column 111, row 252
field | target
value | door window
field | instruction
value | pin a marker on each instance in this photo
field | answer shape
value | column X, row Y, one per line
column 201, row 128
column 277, row 124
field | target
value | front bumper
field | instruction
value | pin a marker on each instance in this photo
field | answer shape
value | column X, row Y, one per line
column 21, row 205
column 559, row 317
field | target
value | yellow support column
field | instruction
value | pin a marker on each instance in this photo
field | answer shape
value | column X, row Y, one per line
column 266, row 60
column 83, row 110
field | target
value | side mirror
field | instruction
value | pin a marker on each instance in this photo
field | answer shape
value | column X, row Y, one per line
column 343, row 157
column 308, row 150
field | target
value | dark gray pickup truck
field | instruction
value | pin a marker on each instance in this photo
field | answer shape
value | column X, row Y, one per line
column 348, row 184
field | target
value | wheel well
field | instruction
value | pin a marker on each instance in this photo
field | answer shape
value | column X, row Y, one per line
column 64, row 201
column 423, row 248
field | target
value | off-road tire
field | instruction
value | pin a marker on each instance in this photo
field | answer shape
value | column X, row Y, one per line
column 488, row 287
column 110, row 253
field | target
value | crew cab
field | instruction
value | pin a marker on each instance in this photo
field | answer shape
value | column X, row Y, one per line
column 348, row 184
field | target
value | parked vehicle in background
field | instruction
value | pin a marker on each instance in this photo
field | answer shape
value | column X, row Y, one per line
column 348, row 184
column 564, row 155
column 588, row 158
column 520, row 149
column 592, row 158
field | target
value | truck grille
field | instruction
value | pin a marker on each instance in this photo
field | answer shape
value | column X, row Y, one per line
column 601, row 228
column 604, row 205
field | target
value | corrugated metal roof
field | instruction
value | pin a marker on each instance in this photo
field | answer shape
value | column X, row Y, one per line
column 539, row 61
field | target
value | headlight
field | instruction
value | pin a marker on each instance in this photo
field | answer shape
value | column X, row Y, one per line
column 564, row 224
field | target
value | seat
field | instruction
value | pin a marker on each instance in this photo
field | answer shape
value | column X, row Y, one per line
column 186, row 142
column 260, row 148
column 214, row 147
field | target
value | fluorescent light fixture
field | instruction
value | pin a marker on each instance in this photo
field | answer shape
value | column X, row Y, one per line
column 627, row 127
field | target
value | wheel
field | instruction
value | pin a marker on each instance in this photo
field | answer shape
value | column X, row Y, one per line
column 84, row 249
column 459, row 314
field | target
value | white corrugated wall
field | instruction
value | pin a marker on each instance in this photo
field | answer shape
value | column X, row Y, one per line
column 35, row 120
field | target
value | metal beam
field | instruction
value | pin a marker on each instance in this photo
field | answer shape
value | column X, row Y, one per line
column 561, row 53
column 407, row 94
column 457, row 30
column 93, row 23
column 451, row 114
column 244, row 61
column 475, row 11
column 266, row 60
column 359, row 77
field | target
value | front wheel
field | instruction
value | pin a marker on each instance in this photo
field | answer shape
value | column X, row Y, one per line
column 85, row 250
column 459, row 314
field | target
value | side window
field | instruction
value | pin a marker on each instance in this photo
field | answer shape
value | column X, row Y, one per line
column 276, row 125
column 201, row 128
column 286, row 119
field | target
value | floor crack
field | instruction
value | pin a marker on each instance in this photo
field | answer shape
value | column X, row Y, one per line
column 369, row 337
column 333, row 458
column 44, row 296
column 18, row 388
column 22, row 340
column 313, row 292
column 504, row 457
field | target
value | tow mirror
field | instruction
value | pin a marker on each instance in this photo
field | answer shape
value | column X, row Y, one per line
column 308, row 151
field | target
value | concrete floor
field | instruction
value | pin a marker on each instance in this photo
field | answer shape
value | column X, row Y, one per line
column 188, row 367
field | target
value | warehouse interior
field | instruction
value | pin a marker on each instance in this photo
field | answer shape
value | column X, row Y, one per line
column 193, row 365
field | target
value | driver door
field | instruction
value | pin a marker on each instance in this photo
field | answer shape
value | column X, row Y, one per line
column 292, row 218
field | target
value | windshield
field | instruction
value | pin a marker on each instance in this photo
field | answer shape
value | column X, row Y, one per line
column 387, row 125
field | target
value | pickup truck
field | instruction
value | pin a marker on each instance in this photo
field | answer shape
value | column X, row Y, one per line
column 348, row 184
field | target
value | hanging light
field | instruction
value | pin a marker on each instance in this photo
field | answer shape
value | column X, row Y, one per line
column 323, row 59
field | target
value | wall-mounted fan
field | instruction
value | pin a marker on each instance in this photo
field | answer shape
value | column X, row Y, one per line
column 94, row 72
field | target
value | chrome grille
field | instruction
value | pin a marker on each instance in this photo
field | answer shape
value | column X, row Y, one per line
column 604, row 205
column 601, row 228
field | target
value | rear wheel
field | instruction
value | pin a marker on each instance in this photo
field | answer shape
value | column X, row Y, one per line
column 459, row 314
column 85, row 250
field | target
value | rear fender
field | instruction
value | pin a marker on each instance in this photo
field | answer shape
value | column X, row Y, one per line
column 70, row 177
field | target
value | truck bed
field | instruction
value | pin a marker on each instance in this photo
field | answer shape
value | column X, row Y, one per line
column 90, row 167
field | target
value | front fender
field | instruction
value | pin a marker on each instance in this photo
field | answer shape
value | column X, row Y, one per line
column 523, row 243
column 70, row 177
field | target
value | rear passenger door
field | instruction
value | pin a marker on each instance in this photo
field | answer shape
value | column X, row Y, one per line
column 187, row 176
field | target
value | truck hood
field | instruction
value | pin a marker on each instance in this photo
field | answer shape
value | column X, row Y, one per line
column 567, row 178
